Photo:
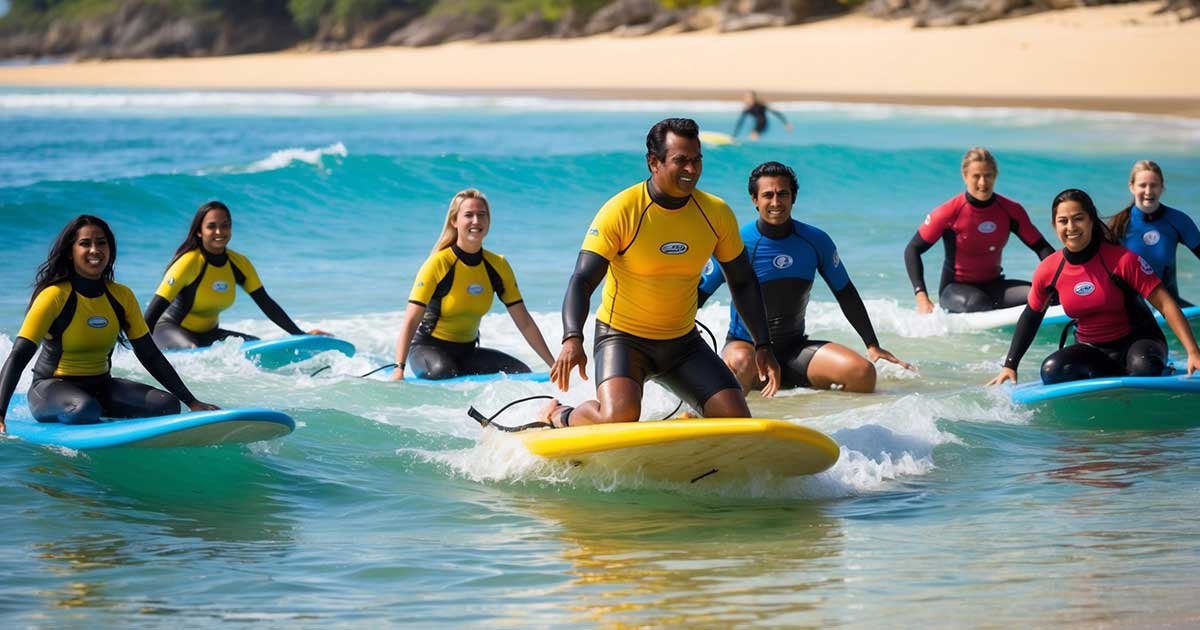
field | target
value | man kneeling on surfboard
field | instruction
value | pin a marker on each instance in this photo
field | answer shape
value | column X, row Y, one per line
column 649, row 244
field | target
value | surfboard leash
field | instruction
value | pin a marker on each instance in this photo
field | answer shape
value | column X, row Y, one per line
column 488, row 421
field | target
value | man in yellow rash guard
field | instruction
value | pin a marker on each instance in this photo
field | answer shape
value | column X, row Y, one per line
column 202, row 282
column 650, row 244
column 77, row 315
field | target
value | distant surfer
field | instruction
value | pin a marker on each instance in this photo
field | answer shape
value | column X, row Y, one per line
column 452, row 292
column 1155, row 230
column 201, row 281
column 649, row 245
column 973, row 227
column 1101, row 285
column 757, row 110
column 787, row 255
column 77, row 314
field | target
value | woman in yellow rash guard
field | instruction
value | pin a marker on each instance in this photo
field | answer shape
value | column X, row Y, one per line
column 200, row 283
column 452, row 292
column 77, row 314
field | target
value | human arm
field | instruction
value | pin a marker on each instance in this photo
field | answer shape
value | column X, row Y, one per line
column 157, row 365
column 738, row 126
column 916, row 271
column 855, row 311
column 274, row 311
column 529, row 329
column 412, row 319
column 1027, row 327
column 778, row 114
column 20, row 355
column 158, row 306
column 710, row 281
column 1162, row 300
column 748, row 300
column 590, row 269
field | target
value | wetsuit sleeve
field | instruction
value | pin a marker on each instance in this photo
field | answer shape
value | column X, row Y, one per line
column 135, row 324
column 45, row 308
column 738, row 126
column 913, row 264
column 157, row 365
column 181, row 273
column 829, row 264
column 856, row 313
column 274, row 311
column 22, row 352
column 155, row 310
column 428, row 276
column 747, row 297
column 778, row 114
column 1027, row 327
column 710, row 281
column 512, row 294
column 247, row 275
column 729, row 237
column 590, row 269
column 610, row 230
column 1189, row 235
column 1028, row 233
column 1138, row 273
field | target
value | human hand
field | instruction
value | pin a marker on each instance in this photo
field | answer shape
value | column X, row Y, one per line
column 197, row 405
column 398, row 373
column 768, row 371
column 318, row 331
column 1006, row 374
column 924, row 305
column 875, row 353
column 1193, row 363
column 571, row 355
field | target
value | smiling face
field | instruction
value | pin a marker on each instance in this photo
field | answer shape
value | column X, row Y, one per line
column 1147, row 188
column 676, row 176
column 472, row 222
column 215, row 231
column 980, row 178
column 1073, row 225
column 774, row 200
column 91, row 252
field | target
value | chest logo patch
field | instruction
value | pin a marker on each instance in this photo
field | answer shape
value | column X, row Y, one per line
column 1146, row 268
column 1084, row 288
column 221, row 286
column 782, row 261
column 474, row 289
column 97, row 321
column 1152, row 237
column 674, row 248
column 987, row 227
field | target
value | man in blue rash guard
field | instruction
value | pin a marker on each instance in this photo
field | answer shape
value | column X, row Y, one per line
column 787, row 255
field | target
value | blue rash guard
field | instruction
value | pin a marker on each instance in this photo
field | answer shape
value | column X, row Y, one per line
column 1155, row 236
column 786, row 259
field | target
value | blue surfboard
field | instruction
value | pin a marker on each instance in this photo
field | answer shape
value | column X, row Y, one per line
column 534, row 377
column 199, row 428
column 1118, row 402
column 1190, row 312
column 276, row 353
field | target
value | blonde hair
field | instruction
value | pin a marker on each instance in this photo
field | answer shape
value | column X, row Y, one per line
column 979, row 154
column 449, row 232
column 1119, row 222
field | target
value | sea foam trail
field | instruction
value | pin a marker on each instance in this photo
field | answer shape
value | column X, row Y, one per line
column 285, row 158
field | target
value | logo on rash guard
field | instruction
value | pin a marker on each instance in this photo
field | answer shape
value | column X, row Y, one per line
column 220, row 285
column 674, row 248
column 593, row 231
column 1151, row 238
column 708, row 267
column 1146, row 268
column 837, row 260
column 782, row 261
column 97, row 321
column 474, row 289
column 987, row 227
column 170, row 282
column 928, row 219
column 1084, row 288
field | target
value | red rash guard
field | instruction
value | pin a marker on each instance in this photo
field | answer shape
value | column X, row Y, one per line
column 979, row 234
column 1087, row 291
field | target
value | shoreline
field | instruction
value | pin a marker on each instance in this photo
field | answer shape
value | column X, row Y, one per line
column 1072, row 59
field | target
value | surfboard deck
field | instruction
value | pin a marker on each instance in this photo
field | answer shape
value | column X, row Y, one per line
column 533, row 377
column 716, row 138
column 1119, row 402
column 276, row 353
column 691, row 450
column 200, row 428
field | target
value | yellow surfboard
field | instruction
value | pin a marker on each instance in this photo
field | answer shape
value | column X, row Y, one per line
column 691, row 450
column 716, row 138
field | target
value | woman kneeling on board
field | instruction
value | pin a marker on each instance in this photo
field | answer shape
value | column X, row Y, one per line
column 1100, row 285
column 78, row 312
column 452, row 292
column 200, row 283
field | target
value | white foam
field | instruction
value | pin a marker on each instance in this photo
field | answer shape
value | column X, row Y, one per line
column 286, row 157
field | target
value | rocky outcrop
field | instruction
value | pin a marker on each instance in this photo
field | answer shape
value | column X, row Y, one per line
column 440, row 29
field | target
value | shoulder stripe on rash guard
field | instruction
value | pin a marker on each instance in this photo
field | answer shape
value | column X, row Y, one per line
column 705, row 216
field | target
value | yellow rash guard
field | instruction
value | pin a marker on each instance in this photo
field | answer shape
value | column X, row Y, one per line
column 457, row 289
column 199, row 286
column 77, row 323
column 656, row 256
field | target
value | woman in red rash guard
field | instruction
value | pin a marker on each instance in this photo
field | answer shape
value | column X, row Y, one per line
column 1101, row 285
column 974, row 227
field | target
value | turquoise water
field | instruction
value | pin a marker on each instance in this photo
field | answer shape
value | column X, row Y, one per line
column 948, row 506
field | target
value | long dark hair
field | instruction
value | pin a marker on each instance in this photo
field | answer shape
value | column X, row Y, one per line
column 60, row 261
column 192, row 241
column 1119, row 222
column 1100, row 230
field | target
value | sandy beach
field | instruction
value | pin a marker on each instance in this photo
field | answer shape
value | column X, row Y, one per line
column 1122, row 58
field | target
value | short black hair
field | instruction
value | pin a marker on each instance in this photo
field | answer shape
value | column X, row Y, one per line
column 772, row 169
column 656, row 139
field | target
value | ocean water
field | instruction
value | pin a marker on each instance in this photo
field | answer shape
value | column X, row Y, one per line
column 948, row 506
